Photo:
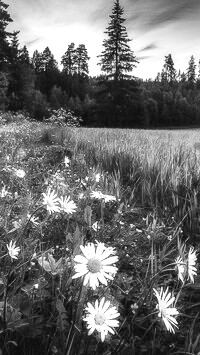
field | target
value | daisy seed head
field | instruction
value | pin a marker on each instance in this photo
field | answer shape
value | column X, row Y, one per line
column 94, row 265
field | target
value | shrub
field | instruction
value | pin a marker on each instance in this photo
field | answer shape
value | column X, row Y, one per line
column 64, row 118
column 11, row 117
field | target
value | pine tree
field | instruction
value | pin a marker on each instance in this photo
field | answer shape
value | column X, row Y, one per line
column 117, row 88
column 5, row 19
column 37, row 62
column 82, row 60
column 24, row 57
column 49, row 62
column 170, row 71
column 199, row 70
column 191, row 70
column 69, row 60
column 117, row 59
column 3, row 91
column 15, row 46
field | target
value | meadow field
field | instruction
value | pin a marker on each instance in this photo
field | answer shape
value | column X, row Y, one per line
column 100, row 240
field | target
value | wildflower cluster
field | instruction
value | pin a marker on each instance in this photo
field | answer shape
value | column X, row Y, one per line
column 55, row 204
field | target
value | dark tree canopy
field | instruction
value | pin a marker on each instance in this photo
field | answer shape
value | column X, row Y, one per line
column 75, row 60
column 5, row 19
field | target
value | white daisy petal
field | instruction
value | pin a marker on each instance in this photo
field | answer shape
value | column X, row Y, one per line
column 110, row 311
column 91, row 330
column 86, row 251
column 101, row 304
column 112, row 322
column 106, row 306
column 100, row 248
column 81, row 268
column 109, row 261
column 107, row 252
column 80, row 259
column 110, row 277
column 110, row 269
column 96, row 281
column 108, row 329
column 102, row 278
column 86, row 279
column 76, row 276
column 90, row 308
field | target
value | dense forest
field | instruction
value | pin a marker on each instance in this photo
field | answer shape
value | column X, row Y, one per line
column 38, row 84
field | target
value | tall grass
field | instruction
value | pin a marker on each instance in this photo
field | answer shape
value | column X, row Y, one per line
column 160, row 168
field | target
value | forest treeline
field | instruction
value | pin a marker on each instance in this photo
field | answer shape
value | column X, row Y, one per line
column 38, row 84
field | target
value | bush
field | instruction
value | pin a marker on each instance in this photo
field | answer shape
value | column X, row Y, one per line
column 10, row 117
column 64, row 118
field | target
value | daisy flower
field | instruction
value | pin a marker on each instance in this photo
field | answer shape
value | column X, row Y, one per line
column 51, row 201
column 99, row 196
column 3, row 192
column 101, row 317
column 96, row 226
column 13, row 251
column 97, row 177
column 187, row 267
column 33, row 219
column 108, row 198
column 95, row 264
column 96, row 194
column 191, row 269
column 20, row 173
column 66, row 162
column 165, row 299
column 67, row 205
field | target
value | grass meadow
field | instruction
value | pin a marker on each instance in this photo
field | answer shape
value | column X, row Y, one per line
column 100, row 240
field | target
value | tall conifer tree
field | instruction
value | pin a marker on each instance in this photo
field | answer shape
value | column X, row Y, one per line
column 117, row 88
column 191, row 70
column 117, row 59
column 169, row 70
column 69, row 60
column 82, row 60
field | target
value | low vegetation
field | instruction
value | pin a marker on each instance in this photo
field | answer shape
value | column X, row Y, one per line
column 99, row 240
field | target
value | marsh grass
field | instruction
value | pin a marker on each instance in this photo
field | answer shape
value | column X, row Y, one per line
column 153, row 178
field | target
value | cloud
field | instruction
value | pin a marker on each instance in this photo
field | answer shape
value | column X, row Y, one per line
column 148, row 47
column 150, row 14
column 143, row 57
column 34, row 41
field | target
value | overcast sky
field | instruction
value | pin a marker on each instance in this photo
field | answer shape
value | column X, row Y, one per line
column 156, row 27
